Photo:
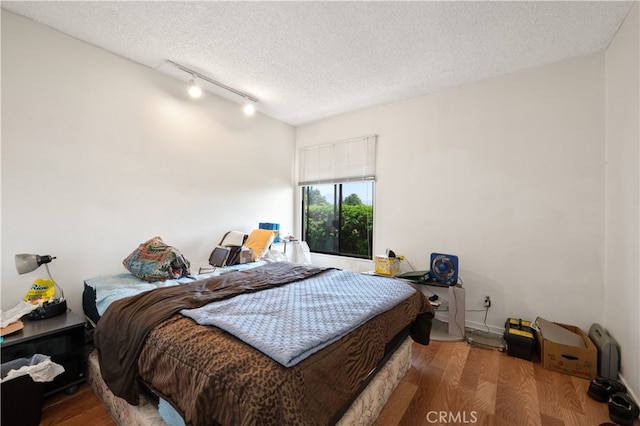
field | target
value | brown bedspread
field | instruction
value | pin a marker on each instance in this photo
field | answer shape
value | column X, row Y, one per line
column 211, row 377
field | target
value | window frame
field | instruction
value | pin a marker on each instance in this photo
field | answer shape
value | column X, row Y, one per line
column 338, row 211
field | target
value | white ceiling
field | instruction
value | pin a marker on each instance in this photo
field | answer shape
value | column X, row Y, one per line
column 305, row 61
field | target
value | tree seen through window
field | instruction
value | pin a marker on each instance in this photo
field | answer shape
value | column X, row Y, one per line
column 338, row 218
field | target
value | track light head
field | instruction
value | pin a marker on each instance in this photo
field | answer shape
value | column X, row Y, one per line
column 248, row 107
column 194, row 90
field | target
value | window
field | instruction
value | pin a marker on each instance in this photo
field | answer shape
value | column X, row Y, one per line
column 337, row 183
column 337, row 220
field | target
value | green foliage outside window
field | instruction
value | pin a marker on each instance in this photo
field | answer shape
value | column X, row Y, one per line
column 325, row 232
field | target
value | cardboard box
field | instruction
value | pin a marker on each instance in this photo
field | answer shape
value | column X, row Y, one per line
column 387, row 265
column 573, row 360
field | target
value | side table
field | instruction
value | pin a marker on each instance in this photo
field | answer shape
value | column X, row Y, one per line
column 61, row 338
column 454, row 308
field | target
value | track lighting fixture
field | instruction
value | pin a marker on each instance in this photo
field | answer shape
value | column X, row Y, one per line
column 248, row 106
column 194, row 90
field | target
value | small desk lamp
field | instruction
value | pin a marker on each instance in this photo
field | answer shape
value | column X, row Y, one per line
column 26, row 263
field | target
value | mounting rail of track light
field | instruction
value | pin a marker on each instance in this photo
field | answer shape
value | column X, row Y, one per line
column 195, row 74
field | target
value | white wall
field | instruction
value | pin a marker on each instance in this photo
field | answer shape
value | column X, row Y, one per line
column 622, row 249
column 100, row 154
column 509, row 175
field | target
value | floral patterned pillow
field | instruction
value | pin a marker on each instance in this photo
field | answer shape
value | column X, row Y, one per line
column 154, row 260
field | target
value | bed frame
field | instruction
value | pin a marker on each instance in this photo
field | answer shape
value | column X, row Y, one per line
column 363, row 411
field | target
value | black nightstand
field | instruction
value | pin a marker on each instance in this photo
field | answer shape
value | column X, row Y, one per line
column 60, row 337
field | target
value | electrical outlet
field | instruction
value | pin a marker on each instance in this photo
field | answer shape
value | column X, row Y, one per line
column 487, row 301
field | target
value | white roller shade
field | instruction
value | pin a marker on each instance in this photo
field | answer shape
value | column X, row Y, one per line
column 345, row 161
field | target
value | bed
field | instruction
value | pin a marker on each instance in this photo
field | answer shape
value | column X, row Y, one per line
column 163, row 340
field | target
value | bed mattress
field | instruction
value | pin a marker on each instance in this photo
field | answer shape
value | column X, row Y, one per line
column 212, row 377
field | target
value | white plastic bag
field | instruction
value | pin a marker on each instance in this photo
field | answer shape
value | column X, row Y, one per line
column 39, row 367
column 301, row 253
column 275, row 256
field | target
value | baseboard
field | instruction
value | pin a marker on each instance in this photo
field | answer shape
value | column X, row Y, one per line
column 480, row 326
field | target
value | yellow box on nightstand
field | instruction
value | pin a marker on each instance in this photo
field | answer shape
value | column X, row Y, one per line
column 387, row 265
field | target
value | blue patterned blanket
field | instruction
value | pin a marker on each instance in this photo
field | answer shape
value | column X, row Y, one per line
column 292, row 322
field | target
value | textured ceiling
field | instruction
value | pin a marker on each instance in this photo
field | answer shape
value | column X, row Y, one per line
column 305, row 61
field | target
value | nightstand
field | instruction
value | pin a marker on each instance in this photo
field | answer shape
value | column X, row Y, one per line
column 60, row 337
column 453, row 309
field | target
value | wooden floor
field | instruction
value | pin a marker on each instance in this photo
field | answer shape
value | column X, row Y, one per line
column 82, row 408
column 449, row 383
column 455, row 383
